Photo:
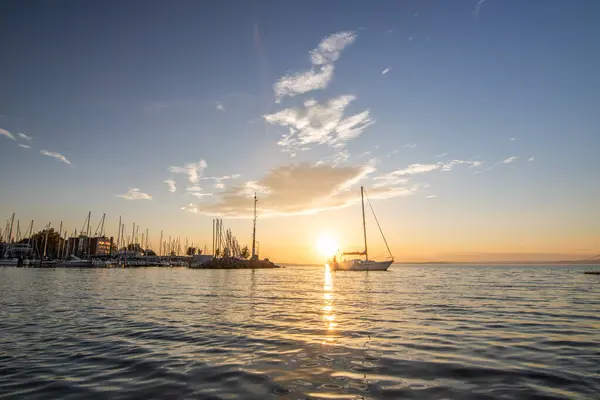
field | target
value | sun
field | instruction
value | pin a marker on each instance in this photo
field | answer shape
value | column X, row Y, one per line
column 327, row 245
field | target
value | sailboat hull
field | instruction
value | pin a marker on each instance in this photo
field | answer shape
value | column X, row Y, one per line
column 361, row 265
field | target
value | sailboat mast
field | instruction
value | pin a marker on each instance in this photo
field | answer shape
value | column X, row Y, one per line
column 254, row 230
column 362, row 200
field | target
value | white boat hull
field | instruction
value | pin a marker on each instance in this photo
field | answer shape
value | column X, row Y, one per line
column 362, row 265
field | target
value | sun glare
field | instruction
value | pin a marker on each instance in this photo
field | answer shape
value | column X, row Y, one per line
column 327, row 245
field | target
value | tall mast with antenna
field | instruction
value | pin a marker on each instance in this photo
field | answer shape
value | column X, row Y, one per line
column 254, row 230
column 362, row 200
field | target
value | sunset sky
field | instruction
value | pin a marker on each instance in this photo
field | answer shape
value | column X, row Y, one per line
column 473, row 124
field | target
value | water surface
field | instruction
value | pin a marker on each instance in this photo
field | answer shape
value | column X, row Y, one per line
column 469, row 332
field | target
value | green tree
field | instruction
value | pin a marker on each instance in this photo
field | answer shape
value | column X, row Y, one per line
column 38, row 238
column 245, row 253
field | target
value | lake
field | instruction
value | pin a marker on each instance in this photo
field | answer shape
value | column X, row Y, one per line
column 415, row 331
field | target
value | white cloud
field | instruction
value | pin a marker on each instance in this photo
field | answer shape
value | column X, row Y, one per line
column 329, row 49
column 24, row 136
column 319, row 123
column 219, row 180
column 297, row 189
column 191, row 208
column 171, row 184
column 478, row 7
column 199, row 195
column 432, row 196
column 193, row 170
column 336, row 159
column 58, row 156
column 4, row 132
column 399, row 176
column 532, row 158
column 441, row 155
column 220, row 107
column 303, row 82
column 450, row 164
column 321, row 74
column 25, row 146
column 509, row 160
column 135, row 194
column 409, row 146
column 512, row 139
column 385, row 71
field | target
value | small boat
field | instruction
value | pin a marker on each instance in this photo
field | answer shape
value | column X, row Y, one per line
column 366, row 264
column 74, row 262
column 8, row 262
column 198, row 260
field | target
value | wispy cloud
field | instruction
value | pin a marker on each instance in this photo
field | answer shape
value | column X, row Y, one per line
column 191, row 207
column 25, row 146
column 171, row 184
column 409, row 146
column 512, row 139
column 400, row 176
column 219, row 180
column 509, row 160
column 24, row 136
column 532, row 158
column 450, row 164
column 336, row 159
column 319, row 123
column 441, row 155
column 4, row 132
column 478, row 7
column 58, row 156
column 199, row 194
column 432, row 196
column 385, row 71
column 220, row 107
column 322, row 58
column 135, row 194
column 295, row 190
column 193, row 170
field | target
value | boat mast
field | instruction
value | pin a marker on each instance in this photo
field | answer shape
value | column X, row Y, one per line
column 362, row 200
column 254, row 230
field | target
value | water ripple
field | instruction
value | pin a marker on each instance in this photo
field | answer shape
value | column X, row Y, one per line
column 414, row 332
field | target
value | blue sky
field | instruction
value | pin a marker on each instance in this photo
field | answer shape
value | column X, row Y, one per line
column 484, row 121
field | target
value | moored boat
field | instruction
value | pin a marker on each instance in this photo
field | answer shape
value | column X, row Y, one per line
column 366, row 264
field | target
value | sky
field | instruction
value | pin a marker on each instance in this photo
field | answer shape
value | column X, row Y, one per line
column 472, row 124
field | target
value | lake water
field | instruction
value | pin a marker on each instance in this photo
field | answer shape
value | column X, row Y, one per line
column 431, row 332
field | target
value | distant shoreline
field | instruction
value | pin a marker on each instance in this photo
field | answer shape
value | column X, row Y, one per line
column 589, row 262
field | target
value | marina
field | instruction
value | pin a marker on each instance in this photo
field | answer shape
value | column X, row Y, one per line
column 51, row 249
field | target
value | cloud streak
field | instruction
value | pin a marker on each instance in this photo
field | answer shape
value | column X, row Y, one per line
column 135, row 194
column 322, row 58
column 24, row 136
column 478, row 7
column 319, row 123
column 5, row 133
column 220, row 107
column 400, row 176
column 385, row 71
column 509, row 160
column 55, row 155
column 193, row 170
column 171, row 184
column 25, row 146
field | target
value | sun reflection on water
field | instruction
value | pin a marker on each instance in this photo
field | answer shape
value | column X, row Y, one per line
column 328, row 306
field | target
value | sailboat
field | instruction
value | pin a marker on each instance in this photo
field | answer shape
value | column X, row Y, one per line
column 366, row 264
